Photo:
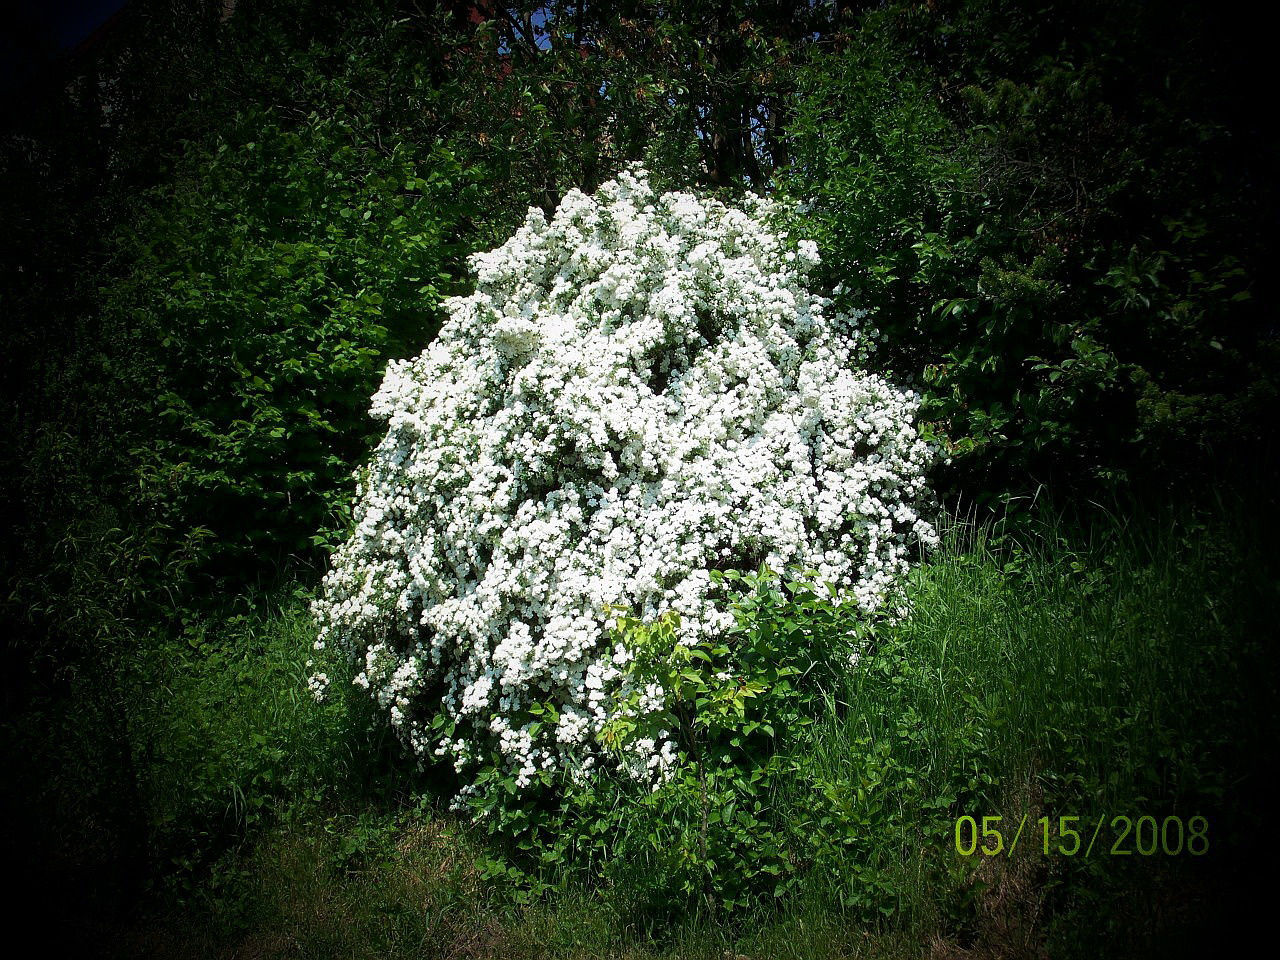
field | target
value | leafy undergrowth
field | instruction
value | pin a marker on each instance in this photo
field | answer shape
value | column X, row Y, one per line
column 1038, row 674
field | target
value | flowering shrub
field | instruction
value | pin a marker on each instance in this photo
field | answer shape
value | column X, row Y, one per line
column 639, row 392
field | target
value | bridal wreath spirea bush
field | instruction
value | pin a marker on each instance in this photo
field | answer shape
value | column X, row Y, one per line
column 639, row 391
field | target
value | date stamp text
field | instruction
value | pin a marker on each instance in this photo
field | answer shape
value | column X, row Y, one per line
column 1076, row 836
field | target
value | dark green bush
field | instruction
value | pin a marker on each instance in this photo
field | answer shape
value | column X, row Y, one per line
column 279, row 273
column 769, row 795
column 1058, row 223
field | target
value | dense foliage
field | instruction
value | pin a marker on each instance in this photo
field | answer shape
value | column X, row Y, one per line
column 284, row 268
column 1056, row 226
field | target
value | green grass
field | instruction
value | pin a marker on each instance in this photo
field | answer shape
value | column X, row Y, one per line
column 1132, row 674
column 229, row 737
column 1038, row 673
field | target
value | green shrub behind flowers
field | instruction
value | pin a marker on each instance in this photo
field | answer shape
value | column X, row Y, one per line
column 753, row 811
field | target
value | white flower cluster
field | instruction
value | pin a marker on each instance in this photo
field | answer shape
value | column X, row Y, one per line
column 318, row 684
column 639, row 391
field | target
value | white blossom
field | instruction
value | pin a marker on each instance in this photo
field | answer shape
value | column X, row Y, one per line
column 638, row 391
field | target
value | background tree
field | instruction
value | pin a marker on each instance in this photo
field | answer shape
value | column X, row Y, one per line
column 1060, row 221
